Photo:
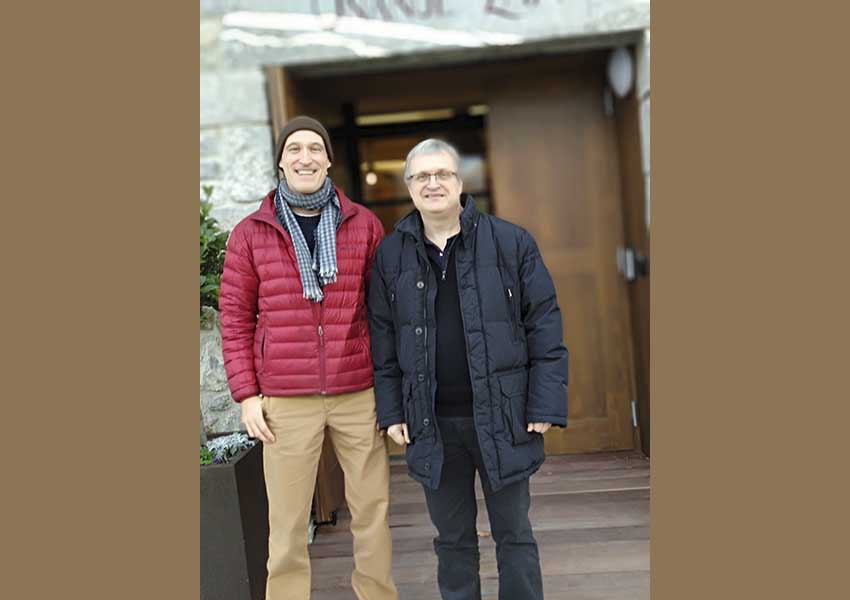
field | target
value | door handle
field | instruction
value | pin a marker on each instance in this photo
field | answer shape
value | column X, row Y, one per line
column 631, row 263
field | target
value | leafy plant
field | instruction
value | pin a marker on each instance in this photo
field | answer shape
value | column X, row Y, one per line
column 213, row 243
column 222, row 449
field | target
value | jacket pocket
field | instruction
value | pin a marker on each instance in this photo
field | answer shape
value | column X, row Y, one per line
column 514, row 388
column 396, row 320
column 513, row 313
column 263, row 341
column 410, row 413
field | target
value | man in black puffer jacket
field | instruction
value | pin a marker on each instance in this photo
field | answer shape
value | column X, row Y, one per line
column 470, row 369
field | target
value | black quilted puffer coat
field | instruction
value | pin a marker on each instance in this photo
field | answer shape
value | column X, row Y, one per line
column 514, row 340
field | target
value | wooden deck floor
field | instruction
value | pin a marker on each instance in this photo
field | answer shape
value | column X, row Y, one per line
column 590, row 515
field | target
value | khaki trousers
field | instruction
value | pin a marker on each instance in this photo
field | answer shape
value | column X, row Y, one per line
column 291, row 463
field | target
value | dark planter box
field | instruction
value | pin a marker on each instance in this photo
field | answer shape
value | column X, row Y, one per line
column 234, row 528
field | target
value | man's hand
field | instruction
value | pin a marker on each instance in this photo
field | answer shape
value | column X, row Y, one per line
column 398, row 433
column 254, row 421
column 538, row 427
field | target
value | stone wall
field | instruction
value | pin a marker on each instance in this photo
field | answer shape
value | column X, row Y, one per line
column 218, row 410
column 236, row 142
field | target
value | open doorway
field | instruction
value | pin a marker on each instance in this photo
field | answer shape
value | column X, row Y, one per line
column 375, row 148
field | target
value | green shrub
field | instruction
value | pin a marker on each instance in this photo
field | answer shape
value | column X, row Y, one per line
column 213, row 242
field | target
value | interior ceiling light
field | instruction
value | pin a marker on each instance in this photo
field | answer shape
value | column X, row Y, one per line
column 388, row 166
column 406, row 117
column 382, row 166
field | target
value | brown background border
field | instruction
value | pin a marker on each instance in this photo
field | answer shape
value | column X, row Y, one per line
column 100, row 261
column 748, row 345
column 748, row 355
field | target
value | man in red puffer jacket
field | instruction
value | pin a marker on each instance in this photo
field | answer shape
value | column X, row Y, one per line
column 295, row 339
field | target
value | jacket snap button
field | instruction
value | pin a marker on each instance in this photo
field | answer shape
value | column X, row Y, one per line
column 426, row 422
column 427, row 466
column 421, row 377
column 418, row 331
column 420, row 284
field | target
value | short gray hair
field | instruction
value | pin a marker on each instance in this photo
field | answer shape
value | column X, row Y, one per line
column 430, row 146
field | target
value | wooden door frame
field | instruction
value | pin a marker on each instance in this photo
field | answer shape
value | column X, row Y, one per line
column 627, row 116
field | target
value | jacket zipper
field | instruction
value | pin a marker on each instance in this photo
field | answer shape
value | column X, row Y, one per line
column 321, row 332
column 446, row 266
column 259, row 216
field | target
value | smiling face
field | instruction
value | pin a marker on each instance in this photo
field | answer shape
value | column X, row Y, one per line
column 304, row 161
column 439, row 193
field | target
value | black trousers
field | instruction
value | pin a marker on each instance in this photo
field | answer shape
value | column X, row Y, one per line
column 453, row 511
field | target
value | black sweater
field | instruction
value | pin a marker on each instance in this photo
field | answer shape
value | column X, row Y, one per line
column 454, row 391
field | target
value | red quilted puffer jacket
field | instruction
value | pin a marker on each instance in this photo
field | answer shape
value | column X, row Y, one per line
column 275, row 341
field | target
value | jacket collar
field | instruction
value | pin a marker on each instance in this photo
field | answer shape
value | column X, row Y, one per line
column 412, row 222
column 266, row 213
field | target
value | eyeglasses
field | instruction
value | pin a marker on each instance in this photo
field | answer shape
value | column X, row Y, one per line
column 441, row 176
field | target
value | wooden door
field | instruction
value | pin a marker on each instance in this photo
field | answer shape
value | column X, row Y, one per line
column 554, row 169
column 286, row 102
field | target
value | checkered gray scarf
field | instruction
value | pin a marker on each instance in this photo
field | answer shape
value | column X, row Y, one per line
column 323, row 260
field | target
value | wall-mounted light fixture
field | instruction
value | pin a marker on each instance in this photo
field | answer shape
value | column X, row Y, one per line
column 621, row 71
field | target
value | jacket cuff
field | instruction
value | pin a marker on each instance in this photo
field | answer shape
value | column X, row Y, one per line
column 240, row 395
column 385, row 422
column 557, row 420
